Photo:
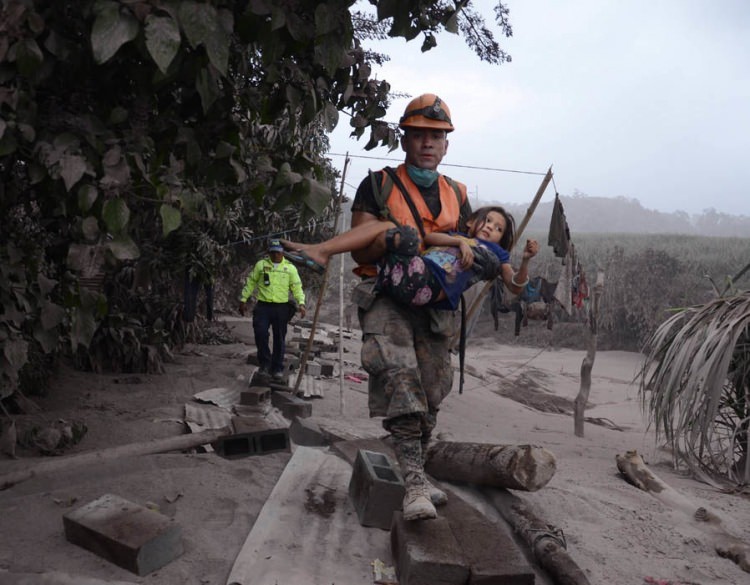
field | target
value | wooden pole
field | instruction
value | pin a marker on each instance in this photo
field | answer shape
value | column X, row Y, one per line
column 579, row 405
column 529, row 213
column 517, row 467
column 177, row 443
column 545, row 542
column 324, row 284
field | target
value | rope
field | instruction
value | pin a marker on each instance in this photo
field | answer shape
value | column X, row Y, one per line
column 398, row 161
column 550, row 532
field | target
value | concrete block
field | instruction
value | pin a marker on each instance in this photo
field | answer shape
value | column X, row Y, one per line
column 489, row 548
column 376, row 489
column 261, row 409
column 253, row 435
column 291, row 406
column 126, row 534
column 312, row 369
column 255, row 395
column 326, row 369
column 305, row 432
column 425, row 552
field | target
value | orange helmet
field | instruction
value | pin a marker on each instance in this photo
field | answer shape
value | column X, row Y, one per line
column 427, row 111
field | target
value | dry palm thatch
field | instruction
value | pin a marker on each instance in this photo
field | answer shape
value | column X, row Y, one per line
column 695, row 386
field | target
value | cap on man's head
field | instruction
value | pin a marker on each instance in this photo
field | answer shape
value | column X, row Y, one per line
column 275, row 246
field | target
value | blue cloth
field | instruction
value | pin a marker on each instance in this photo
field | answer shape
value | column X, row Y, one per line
column 445, row 264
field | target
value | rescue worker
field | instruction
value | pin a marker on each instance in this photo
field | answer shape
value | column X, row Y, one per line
column 274, row 277
column 406, row 350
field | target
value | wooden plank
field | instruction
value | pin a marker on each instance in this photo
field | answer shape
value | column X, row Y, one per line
column 307, row 531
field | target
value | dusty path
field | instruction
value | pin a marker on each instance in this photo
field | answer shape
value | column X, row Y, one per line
column 616, row 533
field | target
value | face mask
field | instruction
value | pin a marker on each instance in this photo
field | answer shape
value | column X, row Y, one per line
column 422, row 177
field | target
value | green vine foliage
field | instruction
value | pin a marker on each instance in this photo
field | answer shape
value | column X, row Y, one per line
column 142, row 138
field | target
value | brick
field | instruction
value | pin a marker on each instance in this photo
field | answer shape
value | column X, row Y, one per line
column 376, row 489
column 126, row 534
column 291, row 406
column 253, row 435
column 425, row 552
column 255, row 395
column 489, row 548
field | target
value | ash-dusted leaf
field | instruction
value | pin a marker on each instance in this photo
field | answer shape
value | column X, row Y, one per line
column 111, row 30
column 72, row 168
column 207, row 88
column 14, row 350
column 316, row 195
column 162, row 40
column 124, row 248
column 171, row 218
column 116, row 215
column 286, row 177
column 52, row 315
column 203, row 25
column 87, row 195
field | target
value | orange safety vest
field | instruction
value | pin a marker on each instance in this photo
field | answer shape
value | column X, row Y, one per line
column 399, row 210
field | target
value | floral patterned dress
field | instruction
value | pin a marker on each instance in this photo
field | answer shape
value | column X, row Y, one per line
column 436, row 277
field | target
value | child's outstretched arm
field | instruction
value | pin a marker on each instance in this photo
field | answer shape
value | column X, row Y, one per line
column 516, row 281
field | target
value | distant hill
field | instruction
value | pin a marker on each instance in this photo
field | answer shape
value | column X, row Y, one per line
column 623, row 215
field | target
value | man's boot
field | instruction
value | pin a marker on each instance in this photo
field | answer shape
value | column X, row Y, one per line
column 417, row 504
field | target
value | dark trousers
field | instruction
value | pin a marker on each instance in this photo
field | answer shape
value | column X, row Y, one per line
column 273, row 316
column 191, row 290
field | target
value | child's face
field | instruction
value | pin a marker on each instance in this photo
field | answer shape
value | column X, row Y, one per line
column 491, row 230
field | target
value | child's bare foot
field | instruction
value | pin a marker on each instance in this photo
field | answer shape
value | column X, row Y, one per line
column 307, row 254
column 293, row 246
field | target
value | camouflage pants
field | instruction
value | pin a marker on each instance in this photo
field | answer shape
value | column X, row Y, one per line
column 406, row 352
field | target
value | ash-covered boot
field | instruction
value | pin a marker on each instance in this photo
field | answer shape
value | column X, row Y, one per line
column 417, row 504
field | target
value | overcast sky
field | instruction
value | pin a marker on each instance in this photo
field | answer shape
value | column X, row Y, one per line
column 646, row 99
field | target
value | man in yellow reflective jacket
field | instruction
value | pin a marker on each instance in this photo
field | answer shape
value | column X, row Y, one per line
column 274, row 277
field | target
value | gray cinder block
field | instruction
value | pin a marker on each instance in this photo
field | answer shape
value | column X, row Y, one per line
column 126, row 534
column 376, row 489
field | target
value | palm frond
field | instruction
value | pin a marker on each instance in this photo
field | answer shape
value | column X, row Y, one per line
column 694, row 385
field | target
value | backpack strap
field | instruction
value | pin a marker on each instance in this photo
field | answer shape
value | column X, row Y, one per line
column 459, row 197
column 380, row 193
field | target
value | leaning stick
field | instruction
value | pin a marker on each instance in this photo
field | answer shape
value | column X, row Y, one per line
column 177, row 443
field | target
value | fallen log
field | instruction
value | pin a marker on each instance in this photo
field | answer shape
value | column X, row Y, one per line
column 177, row 443
column 727, row 545
column 546, row 542
column 516, row 467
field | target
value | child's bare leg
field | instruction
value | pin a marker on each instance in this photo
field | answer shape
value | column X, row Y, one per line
column 357, row 238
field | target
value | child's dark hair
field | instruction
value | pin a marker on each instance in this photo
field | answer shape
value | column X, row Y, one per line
column 480, row 216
